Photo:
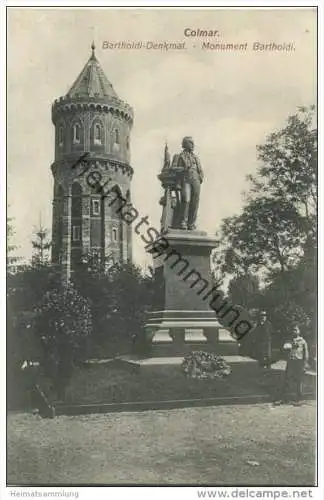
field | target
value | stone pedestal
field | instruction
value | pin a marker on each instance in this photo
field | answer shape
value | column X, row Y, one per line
column 184, row 289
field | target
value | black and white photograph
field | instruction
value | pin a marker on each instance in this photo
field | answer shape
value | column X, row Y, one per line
column 162, row 216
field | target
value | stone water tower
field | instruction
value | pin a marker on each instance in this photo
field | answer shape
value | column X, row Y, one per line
column 92, row 122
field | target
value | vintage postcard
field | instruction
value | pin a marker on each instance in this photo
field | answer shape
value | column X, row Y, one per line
column 162, row 250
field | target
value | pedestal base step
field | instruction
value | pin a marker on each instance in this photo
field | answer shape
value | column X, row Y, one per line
column 163, row 349
column 194, row 340
column 132, row 362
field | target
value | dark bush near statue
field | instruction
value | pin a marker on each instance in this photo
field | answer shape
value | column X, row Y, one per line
column 119, row 299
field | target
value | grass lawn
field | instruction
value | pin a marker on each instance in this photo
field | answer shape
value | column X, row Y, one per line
column 106, row 384
column 188, row 446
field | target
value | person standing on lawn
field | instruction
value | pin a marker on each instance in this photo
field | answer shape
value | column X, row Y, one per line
column 264, row 341
column 297, row 363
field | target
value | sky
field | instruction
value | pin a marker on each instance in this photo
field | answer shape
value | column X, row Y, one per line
column 229, row 101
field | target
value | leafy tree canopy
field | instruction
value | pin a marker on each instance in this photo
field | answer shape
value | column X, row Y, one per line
column 278, row 220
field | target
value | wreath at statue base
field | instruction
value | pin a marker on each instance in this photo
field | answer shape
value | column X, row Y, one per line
column 205, row 365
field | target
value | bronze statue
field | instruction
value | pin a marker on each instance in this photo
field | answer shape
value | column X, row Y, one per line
column 181, row 180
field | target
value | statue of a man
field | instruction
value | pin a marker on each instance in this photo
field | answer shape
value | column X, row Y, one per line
column 190, row 178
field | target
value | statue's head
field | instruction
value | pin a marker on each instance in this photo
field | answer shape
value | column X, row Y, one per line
column 188, row 143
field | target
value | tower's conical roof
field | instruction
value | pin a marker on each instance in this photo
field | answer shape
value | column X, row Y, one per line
column 92, row 81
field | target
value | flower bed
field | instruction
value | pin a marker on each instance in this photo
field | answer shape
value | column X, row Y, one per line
column 205, row 365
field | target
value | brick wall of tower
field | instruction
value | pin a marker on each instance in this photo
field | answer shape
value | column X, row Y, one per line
column 86, row 243
column 103, row 232
column 65, row 253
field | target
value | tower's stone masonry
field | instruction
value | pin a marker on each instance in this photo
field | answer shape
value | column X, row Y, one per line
column 91, row 121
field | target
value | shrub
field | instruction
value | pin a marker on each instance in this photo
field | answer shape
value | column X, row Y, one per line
column 63, row 325
column 205, row 365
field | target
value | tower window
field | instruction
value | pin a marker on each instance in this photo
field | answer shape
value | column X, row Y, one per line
column 127, row 142
column 76, row 134
column 60, row 136
column 76, row 205
column 114, row 234
column 97, row 134
column 66, row 206
column 96, row 207
column 117, row 136
column 76, row 233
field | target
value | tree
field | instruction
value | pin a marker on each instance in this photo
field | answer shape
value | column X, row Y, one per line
column 244, row 290
column 288, row 167
column 11, row 259
column 267, row 237
column 275, row 235
column 291, row 298
column 278, row 219
column 41, row 245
